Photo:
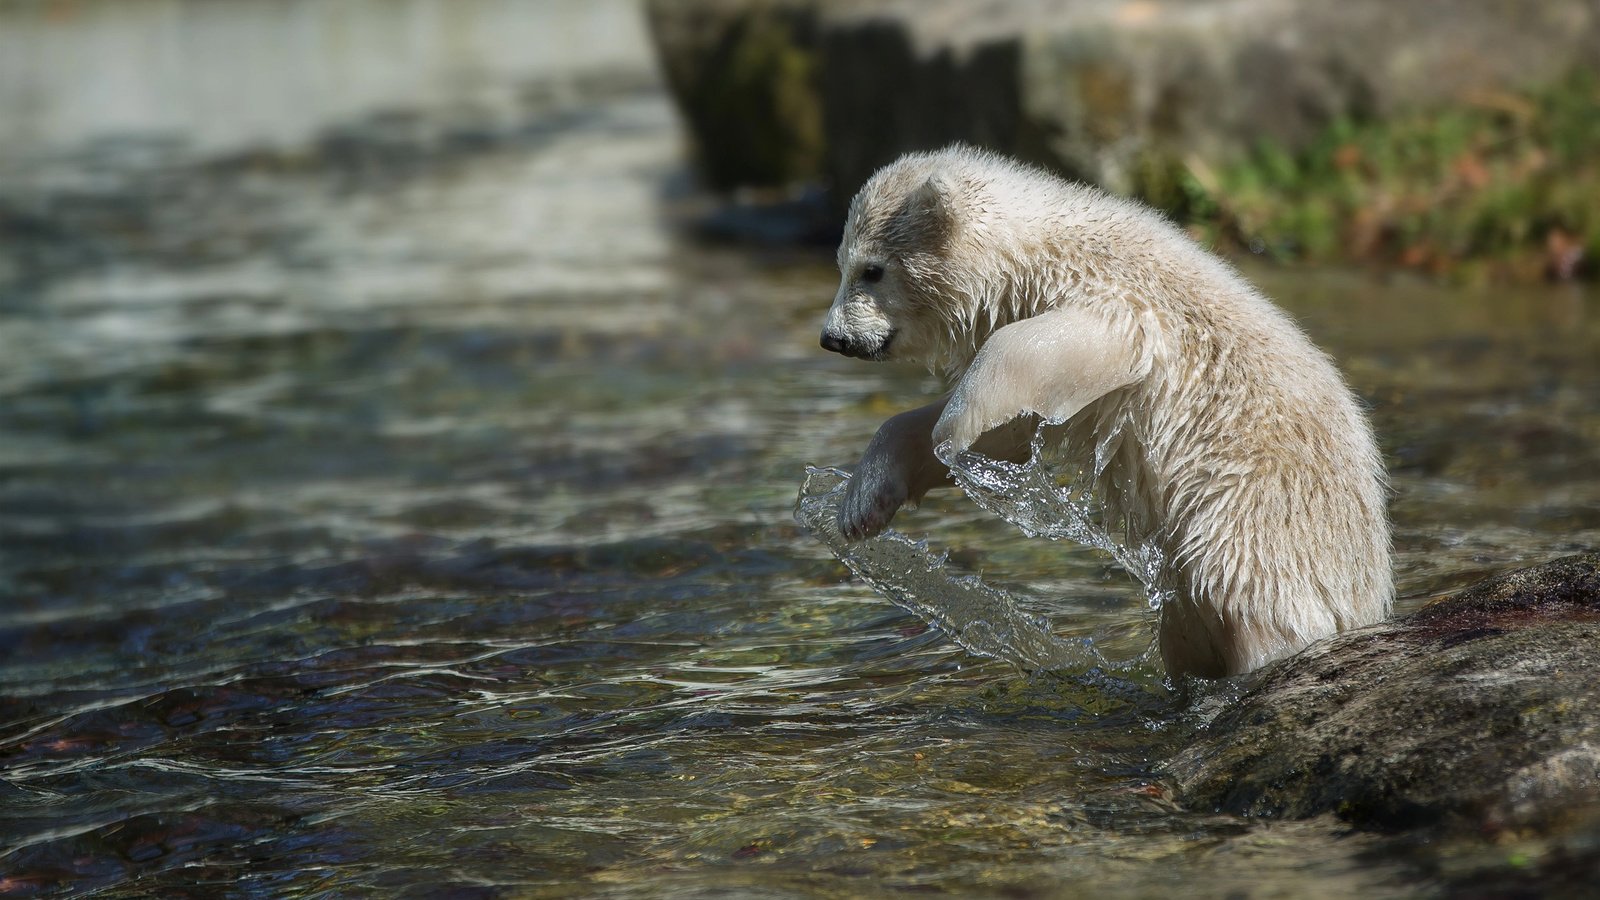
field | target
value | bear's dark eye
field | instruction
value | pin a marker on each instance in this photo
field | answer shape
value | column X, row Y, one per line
column 872, row 273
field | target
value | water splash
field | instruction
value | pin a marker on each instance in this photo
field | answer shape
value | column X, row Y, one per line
column 980, row 618
column 1061, row 491
column 1051, row 495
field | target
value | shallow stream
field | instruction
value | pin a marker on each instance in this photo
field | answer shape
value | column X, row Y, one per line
column 409, row 512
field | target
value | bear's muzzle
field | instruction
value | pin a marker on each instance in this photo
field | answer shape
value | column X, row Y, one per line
column 855, row 348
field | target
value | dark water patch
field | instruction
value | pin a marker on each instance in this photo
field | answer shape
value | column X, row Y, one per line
column 140, row 844
column 119, row 729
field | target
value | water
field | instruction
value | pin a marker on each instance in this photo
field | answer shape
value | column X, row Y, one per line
column 406, row 506
column 978, row 617
column 1056, row 494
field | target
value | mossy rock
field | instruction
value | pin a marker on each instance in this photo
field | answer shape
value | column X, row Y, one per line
column 744, row 75
column 1478, row 714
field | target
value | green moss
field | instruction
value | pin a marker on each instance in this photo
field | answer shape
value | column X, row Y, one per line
column 1504, row 186
column 758, row 106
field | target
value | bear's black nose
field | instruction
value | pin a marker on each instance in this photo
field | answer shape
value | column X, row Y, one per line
column 831, row 343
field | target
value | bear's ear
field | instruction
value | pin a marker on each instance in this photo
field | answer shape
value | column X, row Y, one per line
column 933, row 204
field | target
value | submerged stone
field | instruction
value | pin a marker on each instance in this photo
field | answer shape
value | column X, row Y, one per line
column 1480, row 712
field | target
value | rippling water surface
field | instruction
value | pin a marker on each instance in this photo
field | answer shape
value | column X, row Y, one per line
column 411, row 511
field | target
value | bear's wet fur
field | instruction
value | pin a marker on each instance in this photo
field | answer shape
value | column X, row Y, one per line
column 1242, row 452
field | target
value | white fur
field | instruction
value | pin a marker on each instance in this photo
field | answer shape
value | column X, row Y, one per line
column 1244, row 454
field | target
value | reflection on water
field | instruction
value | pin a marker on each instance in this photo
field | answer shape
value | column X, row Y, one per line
column 414, row 513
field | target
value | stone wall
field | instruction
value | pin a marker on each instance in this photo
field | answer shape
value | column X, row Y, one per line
column 1116, row 92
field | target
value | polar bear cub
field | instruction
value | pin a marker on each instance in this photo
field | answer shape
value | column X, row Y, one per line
column 1242, row 453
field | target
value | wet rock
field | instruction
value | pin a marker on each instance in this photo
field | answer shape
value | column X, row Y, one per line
column 1479, row 713
column 1116, row 92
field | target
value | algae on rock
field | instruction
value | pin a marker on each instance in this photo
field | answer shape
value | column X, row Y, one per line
column 1479, row 713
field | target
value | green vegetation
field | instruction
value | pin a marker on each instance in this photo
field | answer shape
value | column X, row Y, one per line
column 1503, row 187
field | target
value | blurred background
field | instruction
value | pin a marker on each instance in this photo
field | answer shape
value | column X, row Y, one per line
column 402, row 403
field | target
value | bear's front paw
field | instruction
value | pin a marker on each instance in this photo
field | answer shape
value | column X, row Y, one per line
column 869, row 507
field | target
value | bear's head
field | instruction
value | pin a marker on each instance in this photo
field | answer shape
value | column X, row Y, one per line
column 899, row 294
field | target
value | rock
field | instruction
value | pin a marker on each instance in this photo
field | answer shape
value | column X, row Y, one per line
column 743, row 74
column 1116, row 92
column 1479, row 713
